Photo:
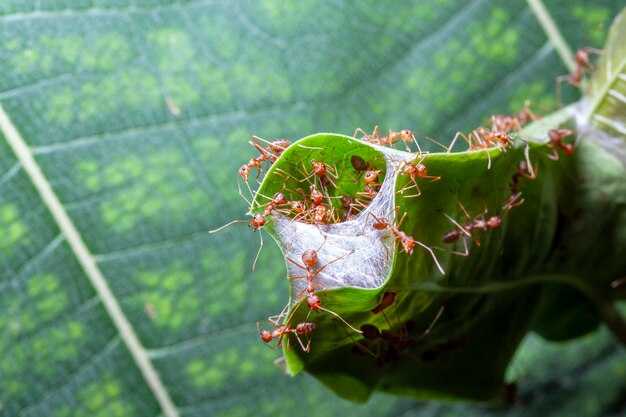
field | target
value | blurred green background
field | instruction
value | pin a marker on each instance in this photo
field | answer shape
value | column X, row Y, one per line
column 138, row 113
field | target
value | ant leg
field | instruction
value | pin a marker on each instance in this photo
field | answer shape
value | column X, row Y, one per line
column 361, row 131
column 333, row 173
column 456, row 137
column 226, row 225
column 555, row 154
column 376, row 135
column 559, row 82
column 531, row 171
column 308, row 345
column 433, row 255
column 401, row 219
column 465, row 248
column 362, row 347
column 311, row 147
column 436, row 142
column 307, row 176
column 432, row 324
column 618, row 282
column 462, row 208
column 340, row 318
column 275, row 320
column 334, row 260
column 241, row 194
column 298, row 265
column 513, row 201
column 461, row 228
column 408, row 187
column 256, row 258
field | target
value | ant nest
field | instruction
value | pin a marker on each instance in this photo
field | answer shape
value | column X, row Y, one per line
column 351, row 253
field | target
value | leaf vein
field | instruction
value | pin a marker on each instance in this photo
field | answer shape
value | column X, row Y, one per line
column 88, row 263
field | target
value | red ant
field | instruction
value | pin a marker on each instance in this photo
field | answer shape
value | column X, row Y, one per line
column 405, row 135
column 259, row 220
column 416, row 170
column 490, row 139
column 478, row 223
column 309, row 258
column 370, row 189
column 583, row 67
column 556, row 137
column 505, row 122
column 305, row 328
column 523, row 170
column 407, row 242
column 323, row 172
column 370, row 177
column 323, row 215
column 376, row 138
column 400, row 341
column 273, row 150
column 348, row 205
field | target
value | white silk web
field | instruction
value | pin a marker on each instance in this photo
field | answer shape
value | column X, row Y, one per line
column 351, row 253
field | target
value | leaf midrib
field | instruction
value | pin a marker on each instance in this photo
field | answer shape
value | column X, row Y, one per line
column 553, row 33
column 88, row 263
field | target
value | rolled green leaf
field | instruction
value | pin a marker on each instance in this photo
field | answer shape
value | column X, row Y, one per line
column 506, row 240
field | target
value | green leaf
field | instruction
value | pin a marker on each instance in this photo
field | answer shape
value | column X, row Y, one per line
column 608, row 84
column 483, row 303
column 137, row 116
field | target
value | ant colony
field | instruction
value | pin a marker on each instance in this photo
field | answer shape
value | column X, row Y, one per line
column 340, row 208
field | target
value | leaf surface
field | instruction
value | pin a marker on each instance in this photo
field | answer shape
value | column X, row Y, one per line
column 137, row 115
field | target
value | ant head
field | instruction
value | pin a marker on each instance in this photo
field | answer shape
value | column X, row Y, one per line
column 371, row 176
column 408, row 243
column 314, row 302
column 501, row 136
column 297, row 207
column 406, row 134
column 318, row 167
column 257, row 221
column 266, row 336
column 568, row 148
column 244, row 171
column 409, row 169
column 309, row 257
column 582, row 57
